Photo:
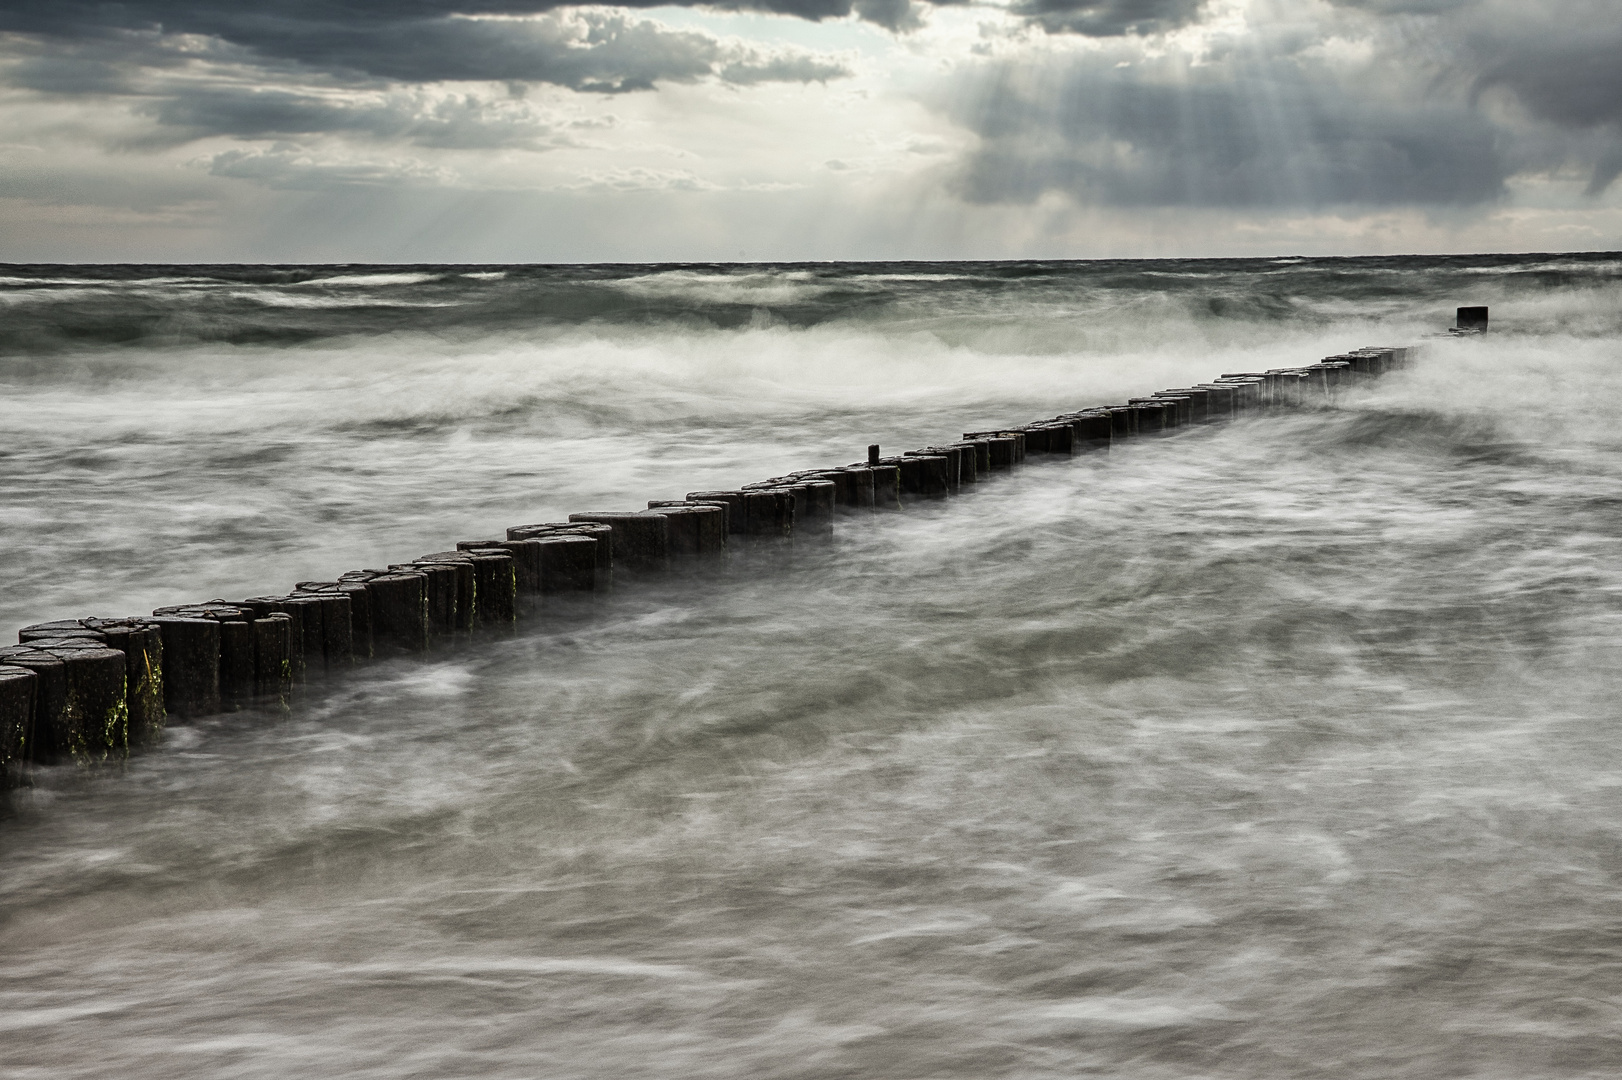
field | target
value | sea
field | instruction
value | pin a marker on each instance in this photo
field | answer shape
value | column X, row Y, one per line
column 1283, row 748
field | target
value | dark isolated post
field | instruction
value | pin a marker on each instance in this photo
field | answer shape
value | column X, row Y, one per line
column 18, row 689
column 1471, row 320
column 873, row 453
column 191, row 665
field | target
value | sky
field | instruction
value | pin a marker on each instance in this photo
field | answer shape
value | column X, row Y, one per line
column 764, row 130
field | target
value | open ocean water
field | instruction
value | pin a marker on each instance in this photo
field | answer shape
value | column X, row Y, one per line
column 1286, row 748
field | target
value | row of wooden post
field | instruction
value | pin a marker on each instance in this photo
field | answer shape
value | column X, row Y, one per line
column 88, row 690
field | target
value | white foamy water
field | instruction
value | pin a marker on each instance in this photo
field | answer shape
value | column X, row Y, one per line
column 1282, row 748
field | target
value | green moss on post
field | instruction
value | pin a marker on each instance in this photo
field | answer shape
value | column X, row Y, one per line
column 142, row 645
column 95, row 717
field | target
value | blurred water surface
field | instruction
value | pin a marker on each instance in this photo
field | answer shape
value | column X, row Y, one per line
column 1281, row 749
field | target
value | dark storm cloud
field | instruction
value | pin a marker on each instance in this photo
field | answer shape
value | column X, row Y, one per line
column 594, row 49
column 427, row 40
column 1569, row 74
column 371, row 85
column 1109, row 18
column 1559, row 58
column 1271, row 139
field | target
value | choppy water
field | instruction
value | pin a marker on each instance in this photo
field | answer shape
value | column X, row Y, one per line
column 1286, row 749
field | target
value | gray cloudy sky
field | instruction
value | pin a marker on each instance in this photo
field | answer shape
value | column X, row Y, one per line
column 538, row 130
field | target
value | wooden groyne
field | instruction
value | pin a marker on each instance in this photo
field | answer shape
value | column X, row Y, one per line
column 90, row 690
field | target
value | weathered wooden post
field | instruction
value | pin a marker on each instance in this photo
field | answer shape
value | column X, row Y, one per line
column 451, row 591
column 19, row 689
column 768, row 511
column 1004, row 448
column 641, row 541
column 603, row 534
column 399, row 606
column 88, row 720
column 46, row 740
column 309, row 646
column 273, row 653
column 1149, row 417
column 142, row 645
column 191, row 665
column 568, row 563
column 237, row 667
column 885, row 481
column 493, row 603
